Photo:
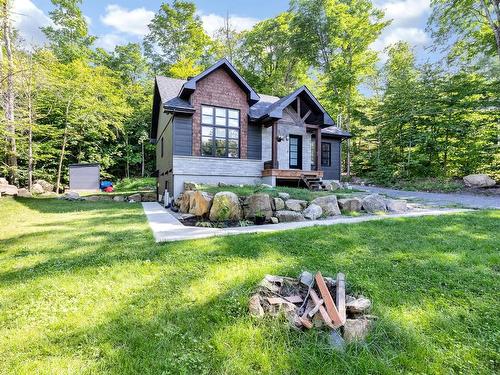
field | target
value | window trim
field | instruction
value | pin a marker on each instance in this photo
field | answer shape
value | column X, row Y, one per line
column 162, row 147
column 216, row 126
column 328, row 162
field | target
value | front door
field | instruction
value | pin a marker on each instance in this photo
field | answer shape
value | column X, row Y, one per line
column 295, row 152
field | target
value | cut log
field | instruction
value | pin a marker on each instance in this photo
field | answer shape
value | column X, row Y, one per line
column 333, row 313
column 322, row 311
column 306, row 322
column 340, row 296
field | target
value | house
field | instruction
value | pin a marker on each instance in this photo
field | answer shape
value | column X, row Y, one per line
column 215, row 128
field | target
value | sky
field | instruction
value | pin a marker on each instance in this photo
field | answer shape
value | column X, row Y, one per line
column 120, row 21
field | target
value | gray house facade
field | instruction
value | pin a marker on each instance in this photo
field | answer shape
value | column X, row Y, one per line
column 215, row 128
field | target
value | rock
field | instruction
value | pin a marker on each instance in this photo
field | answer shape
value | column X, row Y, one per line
column 3, row 181
column 373, row 203
column 47, row 186
column 350, row 204
column 23, row 193
column 396, row 205
column 356, row 329
column 479, row 181
column 255, row 307
column 332, row 185
column 279, row 204
column 185, row 201
column 306, row 278
column 225, row 206
column 266, row 186
column 221, row 184
column 258, row 205
column 284, row 196
column 178, row 200
column 295, row 204
column 135, row 197
column 8, row 190
column 274, row 220
column 119, row 198
column 104, row 197
column 313, row 212
column 329, row 205
column 37, row 189
column 71, row 196
column 200, row 203
column 92, row 198
column 149, row 197
column 190, row 186
column 289, row 216
column 358, row 305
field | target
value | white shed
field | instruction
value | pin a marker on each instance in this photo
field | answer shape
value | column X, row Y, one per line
column 84, row 177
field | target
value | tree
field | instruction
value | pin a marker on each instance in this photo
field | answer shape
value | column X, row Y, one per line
column 176, row 43
column 227, row 40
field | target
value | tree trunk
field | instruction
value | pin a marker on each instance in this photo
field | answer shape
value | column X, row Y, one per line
column 127, row 163
column 63, row 147
column 30, row 142
column 142, row 166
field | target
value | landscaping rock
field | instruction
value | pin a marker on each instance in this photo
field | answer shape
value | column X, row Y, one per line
column 289, row 216
column 47, row 186
column 225, row 206
column 119, row 198
column 255, row 307
column 71, row 196
column 190, row 186
column 356, row 329
column 266, row 186
column 329, row 205
column 351, row 204
column 373, row 203
column 149, row 197
column 200, row 203
column 306, row 278
column 278, row 204
column 92, row 198
column 178, row 200
column 3, row 181
column 284, row 196
column 256, row 204
column 135, row 197
column 332, row 185
column 24, row 193
column 313, row 212
column 358, row 305
column 37, row 189
column 479, row 181
column 8, row 190
column 274, row 220
column 295, row 204
column 185, row 200
column 396, row 205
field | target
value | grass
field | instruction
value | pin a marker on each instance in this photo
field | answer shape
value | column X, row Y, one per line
column 128, row 185
column 429, row 184
column 295, row 193
column 85, row 290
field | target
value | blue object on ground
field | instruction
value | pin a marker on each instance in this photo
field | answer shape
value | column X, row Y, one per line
column 105, row 184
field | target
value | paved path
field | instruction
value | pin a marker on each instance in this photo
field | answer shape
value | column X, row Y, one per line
column 438, row 199
column 166, row 227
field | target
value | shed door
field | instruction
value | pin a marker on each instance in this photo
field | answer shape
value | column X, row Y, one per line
column 84, row 178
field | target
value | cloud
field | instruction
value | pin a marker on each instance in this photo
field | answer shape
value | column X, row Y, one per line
column 413, row 35
column 134, row 22
column 110, row 41
column 212, row 22
column 27, row 18
column 405, row 11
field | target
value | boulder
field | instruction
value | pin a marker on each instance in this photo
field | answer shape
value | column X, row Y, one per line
column 358, row 305
column 93, row 198
column 23, row 193
column 295, row 204
column 313, row 212
column 149, row 196
column 351, row 204
column 284, row 196
column 3, row 181
column 278, row 204
column 185, row 200
column 396, row 205
column 255, row 307
column 274, row 220
column 47, row 186
column 71, row 196
column 356, row 329
column 8, row 190
column 178, row 200
column 332, row 185
column 479, row 181
column 134, row 197
column 329, row 205
column 119, row 198
column 225, row 206
column 289, row 216
column 258, row 205
column 190, row 186
column 199, row 203
column 373, row 203
column 37, row 189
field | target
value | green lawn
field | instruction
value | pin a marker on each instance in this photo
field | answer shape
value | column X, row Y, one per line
column 84, row 289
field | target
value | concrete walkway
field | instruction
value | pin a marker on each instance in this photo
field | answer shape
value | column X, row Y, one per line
column 438, row 199
column 166, row 227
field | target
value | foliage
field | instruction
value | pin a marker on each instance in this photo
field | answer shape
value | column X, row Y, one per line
column 135, row 184
column 84, row 288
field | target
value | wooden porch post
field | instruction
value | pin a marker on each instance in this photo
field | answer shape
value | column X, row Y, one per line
column 274, row 143
column 318, row 149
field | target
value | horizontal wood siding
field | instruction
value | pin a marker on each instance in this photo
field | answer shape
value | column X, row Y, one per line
column 333, row 172
column 183, row 135
column 254, row 141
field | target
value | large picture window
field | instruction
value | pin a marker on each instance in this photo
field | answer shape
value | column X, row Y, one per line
column 220, row 132
column 326, row 154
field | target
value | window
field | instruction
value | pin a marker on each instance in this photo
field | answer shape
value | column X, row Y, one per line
column 326, row 154
column 220, row 132
column 161, row 146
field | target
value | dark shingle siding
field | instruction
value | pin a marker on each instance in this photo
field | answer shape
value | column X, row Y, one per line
column 333, row 172
column 183, row 135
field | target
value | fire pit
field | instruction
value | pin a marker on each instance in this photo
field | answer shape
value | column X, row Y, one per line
column 315, row 302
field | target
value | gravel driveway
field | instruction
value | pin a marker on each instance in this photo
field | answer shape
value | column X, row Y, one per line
column 438, row 199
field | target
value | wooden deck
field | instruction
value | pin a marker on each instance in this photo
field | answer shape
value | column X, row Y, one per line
column 291, row 174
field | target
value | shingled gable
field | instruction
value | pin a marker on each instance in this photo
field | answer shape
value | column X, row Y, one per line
column 189, row 87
